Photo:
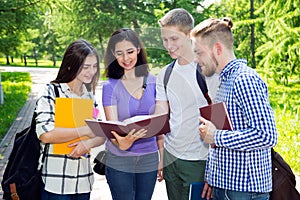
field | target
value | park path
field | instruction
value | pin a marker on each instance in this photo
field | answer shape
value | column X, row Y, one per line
column 41, row 76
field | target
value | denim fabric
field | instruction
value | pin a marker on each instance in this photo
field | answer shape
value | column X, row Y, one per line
column 133, row 164
column 51, row 196
column 222, row 194
column 132, row 177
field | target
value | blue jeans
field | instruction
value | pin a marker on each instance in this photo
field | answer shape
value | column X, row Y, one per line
column 132, row 177
column 222, row 194
column 51, row 196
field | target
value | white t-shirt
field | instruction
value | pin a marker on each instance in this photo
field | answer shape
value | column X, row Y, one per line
column 185, row 98
column 213, row 84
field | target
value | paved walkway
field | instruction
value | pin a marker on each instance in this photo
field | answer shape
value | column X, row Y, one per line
column 40, row 76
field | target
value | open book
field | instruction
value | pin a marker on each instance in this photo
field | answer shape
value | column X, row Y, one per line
column 154, row 124
column 217, row 113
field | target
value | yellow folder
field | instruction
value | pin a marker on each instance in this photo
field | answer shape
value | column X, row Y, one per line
column 71, row 113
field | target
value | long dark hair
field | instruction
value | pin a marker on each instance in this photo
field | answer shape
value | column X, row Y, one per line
column 112, row 67
column 72, row 63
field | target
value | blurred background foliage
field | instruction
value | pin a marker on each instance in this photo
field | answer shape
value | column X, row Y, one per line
column 266, row 32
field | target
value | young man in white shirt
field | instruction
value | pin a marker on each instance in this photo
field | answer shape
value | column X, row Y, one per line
column 185, row 153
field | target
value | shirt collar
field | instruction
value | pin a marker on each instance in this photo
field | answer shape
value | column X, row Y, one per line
column 231, row 67
column 66, row 89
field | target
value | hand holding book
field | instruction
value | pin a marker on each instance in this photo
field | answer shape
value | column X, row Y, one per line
column 214, row 116
column 207, row 131
column 126, row 142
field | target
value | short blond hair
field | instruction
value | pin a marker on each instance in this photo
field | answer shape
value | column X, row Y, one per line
column 178, row 17
column 215, row 30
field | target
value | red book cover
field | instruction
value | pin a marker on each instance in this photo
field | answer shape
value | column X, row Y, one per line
column 154, row 124
column 217, row 113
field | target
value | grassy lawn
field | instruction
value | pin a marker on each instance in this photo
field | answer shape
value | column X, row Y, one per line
column 286, row 104
column 284, row 100
column 30, row 63
column 16, row 87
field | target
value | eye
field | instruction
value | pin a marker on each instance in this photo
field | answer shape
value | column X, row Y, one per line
column 130, row 51
column 119, row 53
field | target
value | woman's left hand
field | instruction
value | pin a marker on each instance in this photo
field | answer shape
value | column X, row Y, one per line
column 126, row 142
column 81, row 149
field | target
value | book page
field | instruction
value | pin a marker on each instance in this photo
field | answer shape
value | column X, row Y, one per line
column 136, row 119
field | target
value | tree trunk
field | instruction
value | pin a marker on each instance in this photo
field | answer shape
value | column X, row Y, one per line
column 101, row 46
column 25, row 61
column 53, row 52
column 7, row 60
column 134, row 20
column 35, row 57
column 252, row 34
column 54, row 59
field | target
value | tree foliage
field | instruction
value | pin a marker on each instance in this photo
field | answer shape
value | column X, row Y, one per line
column 276, row 33
column 281, row 46
column 45, row 28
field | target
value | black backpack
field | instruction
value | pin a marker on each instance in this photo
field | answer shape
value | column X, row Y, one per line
column 22, row 178
column 200, row 80
column 283, row 178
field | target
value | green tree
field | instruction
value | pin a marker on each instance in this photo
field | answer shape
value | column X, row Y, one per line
column 18, row 20
column 281, row 46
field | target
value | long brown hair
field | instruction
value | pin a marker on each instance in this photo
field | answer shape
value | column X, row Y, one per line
column 112, row 67
column 73, row 61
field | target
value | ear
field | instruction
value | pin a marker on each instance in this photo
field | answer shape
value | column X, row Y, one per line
column 188, row 35
column 138, row 50
column 218, row 48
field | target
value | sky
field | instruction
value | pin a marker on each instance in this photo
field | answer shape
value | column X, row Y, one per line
column 208, row 2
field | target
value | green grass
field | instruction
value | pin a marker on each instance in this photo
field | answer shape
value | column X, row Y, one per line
column 16, row 87
column 30, row 63
column 286, row 105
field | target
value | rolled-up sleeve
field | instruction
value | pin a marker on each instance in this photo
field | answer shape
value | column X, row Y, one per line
column 45, row 110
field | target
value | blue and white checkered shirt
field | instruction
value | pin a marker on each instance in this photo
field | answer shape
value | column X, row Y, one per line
column 242, row 159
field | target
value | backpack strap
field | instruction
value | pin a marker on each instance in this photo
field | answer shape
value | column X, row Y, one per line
column 13, row 190
column 202, row 84
column 56, row 90
column 200, row 80
column 145, row 82
column 47, row 145
column 168, row 74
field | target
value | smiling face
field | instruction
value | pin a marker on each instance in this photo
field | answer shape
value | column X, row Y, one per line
column 204, row 56
column 126, row 54
column 175, row 41
column 88, row 70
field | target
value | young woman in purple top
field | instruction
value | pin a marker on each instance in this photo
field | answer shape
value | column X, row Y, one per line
column 132, row 163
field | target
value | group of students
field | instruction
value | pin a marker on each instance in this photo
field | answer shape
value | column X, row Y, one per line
column 234, row 164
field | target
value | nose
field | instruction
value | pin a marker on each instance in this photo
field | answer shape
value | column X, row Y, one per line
column 125, row 55
column 92, row 69
column 196, row 60
column 168, row 45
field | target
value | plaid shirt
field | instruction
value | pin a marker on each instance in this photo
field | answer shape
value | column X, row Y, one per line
column 61, row 174
column 242, row 159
